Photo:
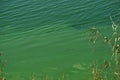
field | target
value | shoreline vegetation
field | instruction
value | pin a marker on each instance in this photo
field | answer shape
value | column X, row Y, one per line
column 2, row 66
column 110, row 70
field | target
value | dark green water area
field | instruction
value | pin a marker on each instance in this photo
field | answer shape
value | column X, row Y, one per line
column 51, row 37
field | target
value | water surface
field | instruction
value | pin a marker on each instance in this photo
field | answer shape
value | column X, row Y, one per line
column 50, row 37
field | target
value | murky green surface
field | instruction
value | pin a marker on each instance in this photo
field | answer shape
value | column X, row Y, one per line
column 50, row 37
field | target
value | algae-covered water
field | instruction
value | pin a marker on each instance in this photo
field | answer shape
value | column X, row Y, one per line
column 50, row 37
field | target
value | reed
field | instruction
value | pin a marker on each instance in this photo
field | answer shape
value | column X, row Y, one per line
column 114, row 65
column 33, row 76
column 2, row 66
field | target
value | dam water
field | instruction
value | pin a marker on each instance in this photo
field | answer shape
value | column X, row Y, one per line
column 51, row 37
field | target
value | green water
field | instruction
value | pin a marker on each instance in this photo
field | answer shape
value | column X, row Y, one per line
column 50, row 37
